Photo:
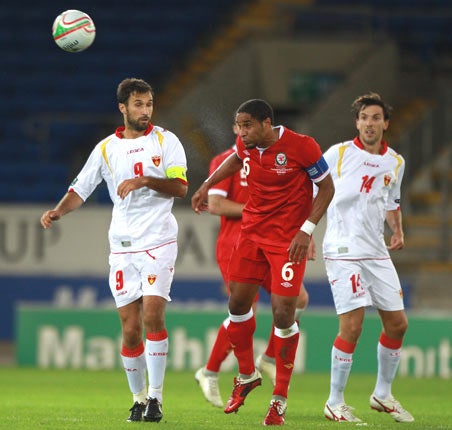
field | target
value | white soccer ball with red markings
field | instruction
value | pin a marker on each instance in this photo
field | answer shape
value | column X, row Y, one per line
column 73, row 31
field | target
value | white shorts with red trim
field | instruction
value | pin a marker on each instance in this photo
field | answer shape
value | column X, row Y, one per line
column 361, row 283
column 143, row 273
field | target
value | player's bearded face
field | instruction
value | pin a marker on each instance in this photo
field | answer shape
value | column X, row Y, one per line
column 138, row 124
column 138, row 111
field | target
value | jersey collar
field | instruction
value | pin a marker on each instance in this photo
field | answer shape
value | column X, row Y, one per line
column 384, row 145
column 119, row 131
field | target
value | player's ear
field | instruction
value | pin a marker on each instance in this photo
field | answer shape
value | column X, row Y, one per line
column 268, row 122
column 122, row 107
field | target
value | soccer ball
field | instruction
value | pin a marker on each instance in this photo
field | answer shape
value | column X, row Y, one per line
column 73, row 31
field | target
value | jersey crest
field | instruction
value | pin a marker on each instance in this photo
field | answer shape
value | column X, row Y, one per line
column 281, row 159
column 156, row 159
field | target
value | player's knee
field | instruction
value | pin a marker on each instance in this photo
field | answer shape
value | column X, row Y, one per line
column 350, row 332
column 398, row 329
column 132, row 335
column 283, row 317
column 303, row 300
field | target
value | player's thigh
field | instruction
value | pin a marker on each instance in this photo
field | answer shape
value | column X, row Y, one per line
column 156, row 268
column 248, row 264
column 385, row 287
column 286, row 277
column 124, row 279
column 348, row 284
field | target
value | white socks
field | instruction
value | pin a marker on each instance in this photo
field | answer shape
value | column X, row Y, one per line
column 388, row 363
column 135, row 368
column 341, row 364
column 156, row 354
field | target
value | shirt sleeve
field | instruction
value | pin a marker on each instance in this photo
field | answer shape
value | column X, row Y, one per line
column 317, row 167
column 393, row 202
column 90, row 176
column 175, row 158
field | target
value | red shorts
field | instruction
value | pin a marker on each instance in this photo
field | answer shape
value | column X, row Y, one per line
column 253, row 263
column 224, row 269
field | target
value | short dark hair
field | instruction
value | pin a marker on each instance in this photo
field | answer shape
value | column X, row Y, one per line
column 132, row 85
column 258, row 109
column 371, row 99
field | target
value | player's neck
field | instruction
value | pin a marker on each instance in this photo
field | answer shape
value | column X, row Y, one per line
column 129, row 133
column 373, row 149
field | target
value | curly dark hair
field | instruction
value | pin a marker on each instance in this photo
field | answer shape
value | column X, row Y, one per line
column 132, row 85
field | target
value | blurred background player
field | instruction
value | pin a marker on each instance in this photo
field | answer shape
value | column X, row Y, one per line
column 367, row 175
column 227, row 199
column 278, row 220
column 144, row 167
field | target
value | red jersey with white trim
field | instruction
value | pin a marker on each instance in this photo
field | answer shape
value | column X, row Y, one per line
column 233, row 188
column 280, row 186
column 366, row 186
column 143, row 219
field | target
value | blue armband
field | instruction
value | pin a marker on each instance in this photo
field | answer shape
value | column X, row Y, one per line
column 317, row 169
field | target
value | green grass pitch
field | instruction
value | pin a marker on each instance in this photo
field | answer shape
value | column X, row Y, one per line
column 33, row 399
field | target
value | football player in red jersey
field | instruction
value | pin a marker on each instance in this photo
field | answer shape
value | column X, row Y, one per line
column 227, row 199
column 277, row 223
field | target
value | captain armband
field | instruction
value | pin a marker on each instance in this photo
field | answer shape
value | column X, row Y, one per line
column 177, row 172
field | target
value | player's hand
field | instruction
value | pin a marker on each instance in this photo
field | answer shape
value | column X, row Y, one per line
column 199, row 199
column 311, row 253
column 299, row 247
column 48, row 217
column 129, row 185
column 397, row 242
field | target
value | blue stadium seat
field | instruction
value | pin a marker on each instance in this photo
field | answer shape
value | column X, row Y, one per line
column 141, row 38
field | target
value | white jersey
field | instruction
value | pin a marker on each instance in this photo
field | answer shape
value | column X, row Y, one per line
column 366, row 186
column 143, row 220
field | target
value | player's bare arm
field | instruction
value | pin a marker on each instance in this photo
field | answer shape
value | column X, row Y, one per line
column 299, row 246
column 322, row 199
column 227, row 168
column 172, row 187
column 394, row 221
column 68, row 203
column 222, row 206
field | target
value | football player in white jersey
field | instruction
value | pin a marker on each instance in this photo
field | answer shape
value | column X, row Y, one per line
column 144, row 167
column 367, row 176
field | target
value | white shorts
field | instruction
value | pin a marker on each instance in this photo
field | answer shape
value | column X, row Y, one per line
column 361, row 283
column 144, row 273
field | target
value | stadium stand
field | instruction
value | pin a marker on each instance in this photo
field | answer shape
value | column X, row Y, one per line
column 56, row 104
column 420, row 28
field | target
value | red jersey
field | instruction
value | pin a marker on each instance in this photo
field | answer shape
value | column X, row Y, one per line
column 280, row 186
column 234, row 188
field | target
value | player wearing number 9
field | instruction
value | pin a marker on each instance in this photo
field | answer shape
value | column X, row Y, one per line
column 277, row 222
column 144, row 167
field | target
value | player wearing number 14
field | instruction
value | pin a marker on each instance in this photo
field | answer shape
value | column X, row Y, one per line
column 367, row 175
column 144, row 167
